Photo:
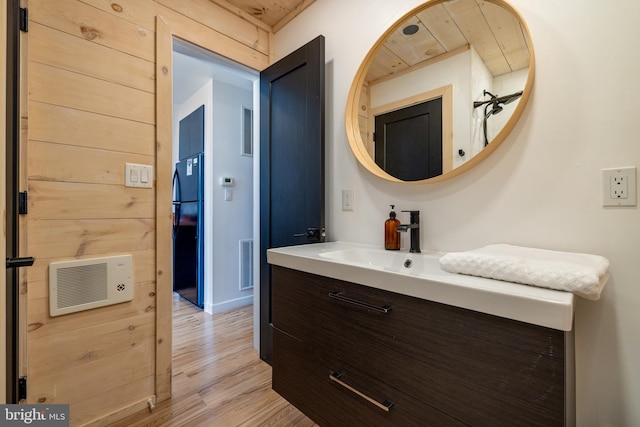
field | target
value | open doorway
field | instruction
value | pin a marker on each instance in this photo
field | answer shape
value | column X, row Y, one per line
column 224, row 92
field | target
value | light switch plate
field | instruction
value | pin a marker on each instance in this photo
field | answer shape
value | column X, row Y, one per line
column 140, row 176
column 619, row 186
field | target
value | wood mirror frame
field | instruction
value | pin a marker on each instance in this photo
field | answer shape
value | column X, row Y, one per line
column 352, row 121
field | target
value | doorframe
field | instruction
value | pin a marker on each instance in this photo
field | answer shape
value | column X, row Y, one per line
column 166, row 30
column 444, row 92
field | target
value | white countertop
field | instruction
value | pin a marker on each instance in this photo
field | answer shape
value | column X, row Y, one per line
column 538, row 306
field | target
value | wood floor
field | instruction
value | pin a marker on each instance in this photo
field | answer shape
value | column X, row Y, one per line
column 218, row 377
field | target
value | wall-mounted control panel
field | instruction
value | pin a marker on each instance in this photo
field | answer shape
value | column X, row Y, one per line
column 227, row 181
column 140, row 176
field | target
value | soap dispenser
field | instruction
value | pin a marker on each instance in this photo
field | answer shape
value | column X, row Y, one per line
column 391, row 233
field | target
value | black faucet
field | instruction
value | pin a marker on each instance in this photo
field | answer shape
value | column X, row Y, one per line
column 414, row 226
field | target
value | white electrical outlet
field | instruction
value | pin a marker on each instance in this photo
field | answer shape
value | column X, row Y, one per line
column 347, row 199
column 619, row 186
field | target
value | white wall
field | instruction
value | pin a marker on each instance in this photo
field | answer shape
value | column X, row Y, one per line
column 541, row 188
column 482, row 81
column 233, row 218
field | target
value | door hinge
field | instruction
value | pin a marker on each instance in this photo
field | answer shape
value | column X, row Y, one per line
column 22, row 388
column 24, row 19
column 374, row 137
column 23, row 199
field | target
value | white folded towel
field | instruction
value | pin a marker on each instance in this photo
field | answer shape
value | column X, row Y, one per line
column 583, row 274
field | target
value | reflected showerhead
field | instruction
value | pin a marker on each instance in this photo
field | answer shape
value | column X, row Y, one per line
column 493, row 97
column 491, row 109
column 496, row 100
column 495, row 103
column 508, row 99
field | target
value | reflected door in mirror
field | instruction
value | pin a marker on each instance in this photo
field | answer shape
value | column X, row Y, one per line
column 408, row 142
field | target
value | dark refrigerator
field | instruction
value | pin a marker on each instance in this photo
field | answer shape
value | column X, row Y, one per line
column 188, row 229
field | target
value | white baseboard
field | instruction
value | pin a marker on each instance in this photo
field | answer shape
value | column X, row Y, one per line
column 228, row 305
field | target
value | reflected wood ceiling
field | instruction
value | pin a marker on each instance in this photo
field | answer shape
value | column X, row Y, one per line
column 275, row 13
column 495, row 33
column 444, row 28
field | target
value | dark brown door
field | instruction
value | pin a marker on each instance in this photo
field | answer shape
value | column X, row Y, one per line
column 408, row 142
column 291, row 162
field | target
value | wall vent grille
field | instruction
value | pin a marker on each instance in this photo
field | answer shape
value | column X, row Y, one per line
column 246, row 264
column 89, row 283
column 72, row 285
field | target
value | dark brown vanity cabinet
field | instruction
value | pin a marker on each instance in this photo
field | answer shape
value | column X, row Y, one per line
column 351, row 355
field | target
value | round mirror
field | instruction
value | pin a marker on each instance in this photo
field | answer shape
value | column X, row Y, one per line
column 440, row 90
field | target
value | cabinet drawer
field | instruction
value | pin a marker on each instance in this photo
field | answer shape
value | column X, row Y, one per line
column 305, row 382
column 481, row 369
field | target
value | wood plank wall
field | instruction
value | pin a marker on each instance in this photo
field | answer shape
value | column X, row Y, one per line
column 91, row 108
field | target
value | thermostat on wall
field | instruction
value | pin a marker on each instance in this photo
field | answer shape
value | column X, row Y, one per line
column 226, row 181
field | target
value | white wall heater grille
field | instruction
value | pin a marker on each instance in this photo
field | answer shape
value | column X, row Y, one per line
column 246, row 264
column 89, row 283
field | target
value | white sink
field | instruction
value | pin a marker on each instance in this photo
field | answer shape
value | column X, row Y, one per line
column 426, row 263
column 420, row 275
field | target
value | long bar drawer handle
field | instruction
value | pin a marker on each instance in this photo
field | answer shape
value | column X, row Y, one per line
column 385, row 406
column 339, row 296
